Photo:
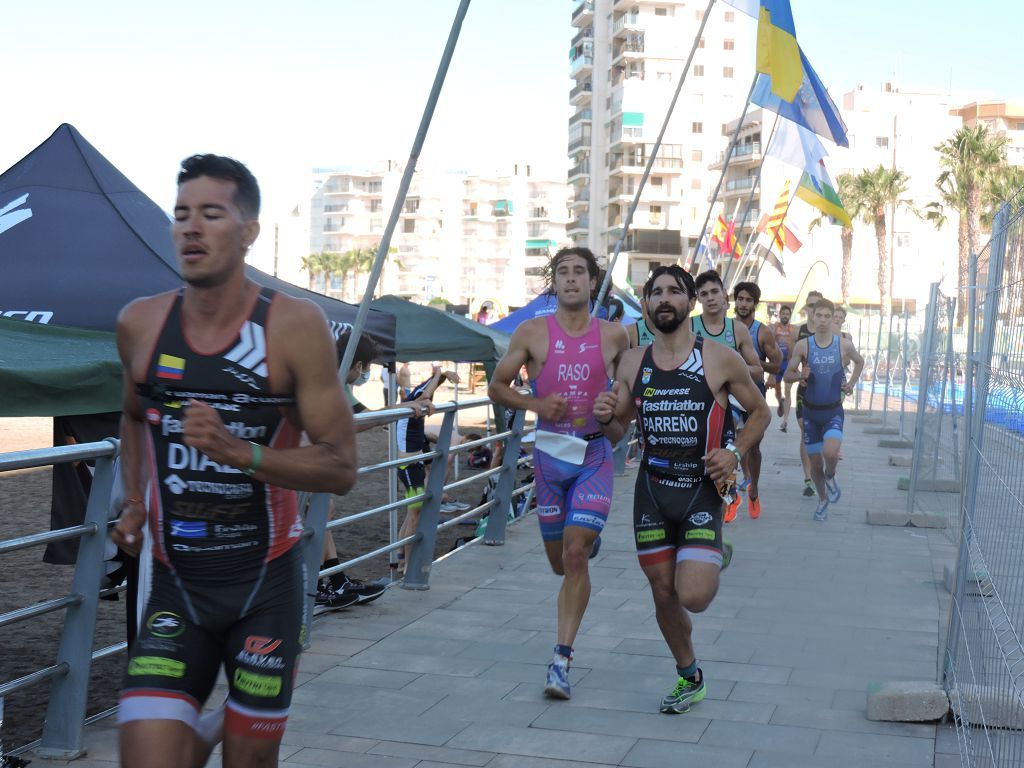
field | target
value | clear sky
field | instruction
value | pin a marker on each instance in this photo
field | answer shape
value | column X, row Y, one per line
column 286, row 86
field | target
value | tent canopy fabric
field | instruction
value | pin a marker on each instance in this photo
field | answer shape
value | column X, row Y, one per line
column 78, row 241
column 426, row 333
column 48, row 370
column 547, row 303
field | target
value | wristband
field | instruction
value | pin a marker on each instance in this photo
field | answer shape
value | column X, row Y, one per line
column 254, row 462
column 735, row 452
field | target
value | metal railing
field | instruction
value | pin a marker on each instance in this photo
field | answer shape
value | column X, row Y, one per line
column 68, row 675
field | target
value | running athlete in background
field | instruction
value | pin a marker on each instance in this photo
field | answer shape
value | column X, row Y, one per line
column 570, row 358
column 746, row 297
column 679, row 388
column 221, row 377
column 802, row 333
column 783, row 331
column 820, row 361
column 714, row 325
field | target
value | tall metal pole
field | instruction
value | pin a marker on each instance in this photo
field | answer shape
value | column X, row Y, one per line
column 725, row 168
column 750, row 200
column 650, row 161
column 403, row 187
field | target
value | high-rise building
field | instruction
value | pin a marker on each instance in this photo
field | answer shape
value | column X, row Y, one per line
column 467, row 238
column 1003, row 118
column 626, row 59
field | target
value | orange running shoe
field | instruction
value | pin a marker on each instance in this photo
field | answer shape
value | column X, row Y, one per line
column 754, row 508
column 733, row 507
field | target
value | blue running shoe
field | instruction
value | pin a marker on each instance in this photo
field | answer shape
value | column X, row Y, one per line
column 821, row 513
column 678, row 701
column 832, row 486
column 557, row 686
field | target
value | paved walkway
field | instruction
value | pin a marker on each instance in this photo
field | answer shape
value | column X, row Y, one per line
column 807, row 615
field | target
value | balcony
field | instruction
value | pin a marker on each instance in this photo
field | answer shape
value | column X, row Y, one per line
column 581, row 199
column 580, row 142
column 734, row 185
column 627, row 134
column 581, row 93
column 632, row 48
column 583, row 116
column 749, row 152
column 659, row 242
column 584, row 14
column 626, row 22
column 578, row 226
column 587, row 33
column 579, row 171
column 636, row 162
column 581, row 65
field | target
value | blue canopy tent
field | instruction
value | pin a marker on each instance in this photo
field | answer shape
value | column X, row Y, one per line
column 545, row 304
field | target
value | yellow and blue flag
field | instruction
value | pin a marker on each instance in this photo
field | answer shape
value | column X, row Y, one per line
column 778, row 55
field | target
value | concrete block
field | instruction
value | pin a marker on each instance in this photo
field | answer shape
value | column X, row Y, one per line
column 928, row 520
column 882, row 431
column 865, row 419
column 903, row 483
column 935, row 486
column 896, row 460
column 907, row 702
column 984, row 703
column 887, row 517
column 896, row 444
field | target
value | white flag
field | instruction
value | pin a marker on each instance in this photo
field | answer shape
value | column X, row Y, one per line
column 798, row 147
column 749, row 7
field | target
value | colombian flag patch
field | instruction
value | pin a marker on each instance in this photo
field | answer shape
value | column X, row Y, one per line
column 170, row 367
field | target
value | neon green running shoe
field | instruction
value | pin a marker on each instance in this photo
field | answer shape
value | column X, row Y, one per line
column 683, row 695
column 726, row 553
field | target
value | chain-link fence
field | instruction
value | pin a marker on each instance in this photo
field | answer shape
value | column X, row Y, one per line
column 984, row 660
column 890, row 346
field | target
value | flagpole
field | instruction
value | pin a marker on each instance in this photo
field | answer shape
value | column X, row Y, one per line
column 403, row 187
column 750, row 199
column 725, row 165
column 650, row 162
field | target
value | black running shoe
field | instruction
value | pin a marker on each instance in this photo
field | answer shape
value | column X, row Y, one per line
column 328, row 597
column 596, row 548
column 364, row 592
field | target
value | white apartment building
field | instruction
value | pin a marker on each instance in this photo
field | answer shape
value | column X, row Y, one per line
column 885, row 125
column 1003, row 118
column 625, row 59
column 467, row 238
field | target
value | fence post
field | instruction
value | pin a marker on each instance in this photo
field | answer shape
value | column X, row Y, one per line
column 65, row 712
column 878, row 353
column 497, row 518
column 970, row 367
column 922, row 389
column 315, row 533
column 888, row 374
column 417, row 569
column 860, row 343
column 972, row 462
column 951, row 368
column 906, row 368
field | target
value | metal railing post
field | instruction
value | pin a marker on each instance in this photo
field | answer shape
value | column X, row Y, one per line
column 860, row 344
column 922, row 389
column 970, row 366
column 888, row 374
column 314, row 535
column 421, row 556
column 906, row 370
column 878, row 354
column 65, row 712
column 497, row 520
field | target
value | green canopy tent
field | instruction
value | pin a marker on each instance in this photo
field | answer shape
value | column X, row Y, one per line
column 426, row 333
column 49, row 370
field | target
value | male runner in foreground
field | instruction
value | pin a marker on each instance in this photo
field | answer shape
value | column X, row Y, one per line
column 746, row 297
column 679, row 387
column 820, row 362
column 221, row 377
column 714, row 303
column 570, row 358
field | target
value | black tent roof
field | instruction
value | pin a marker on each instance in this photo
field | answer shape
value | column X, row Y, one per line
column 78, row 241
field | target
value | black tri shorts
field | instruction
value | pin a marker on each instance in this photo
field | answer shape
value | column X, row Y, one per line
column 676, row 519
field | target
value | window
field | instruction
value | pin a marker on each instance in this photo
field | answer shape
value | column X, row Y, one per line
column 412, row 205
column 375, row 206
column 725, row 129
column 665, row 76
column 698, row 98
column 882, row 142
column 409, row 226
column 727, row 72
column 700, row 43
column 654, row 215
column 698, row 70
column 902, row 239
column 697, row 155
column 697, row 128
column 373, row 186
column 730, row 16
column 729, row 45
column 501, row 228
column 656, row 181
column 695, row 184
column 661, row 11
column 699, row 15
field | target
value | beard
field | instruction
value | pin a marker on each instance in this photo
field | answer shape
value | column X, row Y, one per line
column 668, row 323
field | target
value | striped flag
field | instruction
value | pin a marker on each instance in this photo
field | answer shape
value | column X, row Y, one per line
column 777, row 219
column 817, row 190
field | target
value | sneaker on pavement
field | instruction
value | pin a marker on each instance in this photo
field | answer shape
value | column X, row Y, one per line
column 448, row 507
column 459, row 506
column 364, row 592
column 727, row 550
column 557, row 686
column 754, row 507
column 328, row 597
column 783, row 427
column 733, row 507
column 808, row 488
column 683, row 695
column 832, row 486
column 821, row 513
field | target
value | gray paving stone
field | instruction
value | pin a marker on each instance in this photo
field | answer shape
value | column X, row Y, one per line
column 521, row 761
column 435, row 729
column 753, row 736
column 437, row 755
column 328, row 757
column 650, row 753
column 476, row 709
column 877, row 749
column 538, row 742
column 628, row 724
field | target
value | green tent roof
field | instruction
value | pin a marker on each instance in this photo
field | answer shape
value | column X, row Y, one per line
column 426, row 333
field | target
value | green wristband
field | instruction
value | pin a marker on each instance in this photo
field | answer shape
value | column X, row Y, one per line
column 254, row 462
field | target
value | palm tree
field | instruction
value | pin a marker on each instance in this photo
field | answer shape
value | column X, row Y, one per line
column 846, row 186
column 878, row 190
column 356, row 262
column 968, row 160
column 315, row 264
column 951, row 199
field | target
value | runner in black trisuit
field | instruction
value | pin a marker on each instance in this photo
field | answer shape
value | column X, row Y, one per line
column 679, row 388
